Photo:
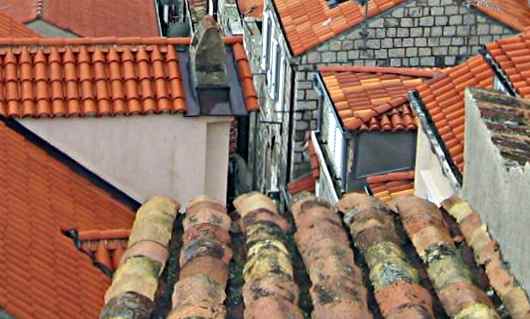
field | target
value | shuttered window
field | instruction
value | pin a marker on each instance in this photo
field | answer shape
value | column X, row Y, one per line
column 267, row 31
column 332, row 135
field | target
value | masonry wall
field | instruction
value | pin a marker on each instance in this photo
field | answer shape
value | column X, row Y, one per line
column 420, row 33
column 499, row 193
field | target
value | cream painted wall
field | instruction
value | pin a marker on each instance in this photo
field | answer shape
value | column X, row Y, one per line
column 430, row 181
column 147, row 155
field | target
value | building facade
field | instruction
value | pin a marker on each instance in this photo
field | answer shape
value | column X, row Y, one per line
column 412, row 33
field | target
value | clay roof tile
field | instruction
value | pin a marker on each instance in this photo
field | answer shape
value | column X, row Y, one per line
column 373, row 93
column 102, row 76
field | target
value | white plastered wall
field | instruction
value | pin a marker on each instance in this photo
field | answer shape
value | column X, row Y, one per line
column 430, row 181
column 147, row 155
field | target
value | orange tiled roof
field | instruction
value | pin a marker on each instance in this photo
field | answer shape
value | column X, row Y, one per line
column 308, row 23
column 251, row 8
column 12, row 28
column 374, row 98
column 100, row 77
column 89, row 18
column 105, row 246
column 303, row 184
column 444, row 100
column 513, row 55
column 513, row 13
column 43, row 275
column 390, row 186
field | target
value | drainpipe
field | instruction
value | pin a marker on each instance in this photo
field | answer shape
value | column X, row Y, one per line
column 291, row 124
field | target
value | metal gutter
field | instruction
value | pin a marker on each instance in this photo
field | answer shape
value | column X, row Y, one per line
column 499, row 72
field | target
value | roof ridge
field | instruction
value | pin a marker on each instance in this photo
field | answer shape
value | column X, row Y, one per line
column 229, row 40
column 39, row 8
column 390, row 177
column 105, row 234
column 419, row 72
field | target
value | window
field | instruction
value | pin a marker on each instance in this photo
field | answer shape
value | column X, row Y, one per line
column 272, row 70
column 281, row 84
column 380, row 153
column 267, row 31
column 332, row 135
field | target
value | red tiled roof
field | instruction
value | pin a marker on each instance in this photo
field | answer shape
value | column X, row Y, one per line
column 513, row 13
column 308, row 23
column 89, row 18
column 303, row 184
column 513, row 55
column 100, row 77
column 374, row 98
column 307, row 183
column 390, row 186
column 444, row 100
column 11, row 28
column 43, row 275
column 106, row 246
column 251, row 8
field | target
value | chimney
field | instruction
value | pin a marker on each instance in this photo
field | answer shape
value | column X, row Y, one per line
column 208, row 68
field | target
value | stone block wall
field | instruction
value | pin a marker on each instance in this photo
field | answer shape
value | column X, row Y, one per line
column 421, row 33
column 498, row 190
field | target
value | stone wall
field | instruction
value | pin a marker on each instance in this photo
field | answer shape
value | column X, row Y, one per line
column 420, row 33
column 500, row 193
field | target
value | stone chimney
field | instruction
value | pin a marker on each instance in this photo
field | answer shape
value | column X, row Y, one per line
column 208, row 67
column 208, row 57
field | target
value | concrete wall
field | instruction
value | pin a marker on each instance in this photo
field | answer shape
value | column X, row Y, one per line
column 48, row 30
column 430, row 180
column 501, row 194
column 147, row 155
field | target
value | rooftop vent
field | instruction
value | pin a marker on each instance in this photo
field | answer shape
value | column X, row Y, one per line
column 208, row 68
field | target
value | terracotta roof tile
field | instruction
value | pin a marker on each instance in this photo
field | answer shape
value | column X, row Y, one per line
column 303, row 184
column 9, row 27
column 251, row 8
column 308, row 23
column 42, row 272
column 374, row 98
column 101, row 77
column 89, row 18
column 513, row 56
column 444, row 101
column 390, row 186
column 514, row 13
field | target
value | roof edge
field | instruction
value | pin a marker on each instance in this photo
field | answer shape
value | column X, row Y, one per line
column 386, row 70
column 66, row 160
column 229, row 40
column 390, row 177
column 498, row 16
column 498, row 71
